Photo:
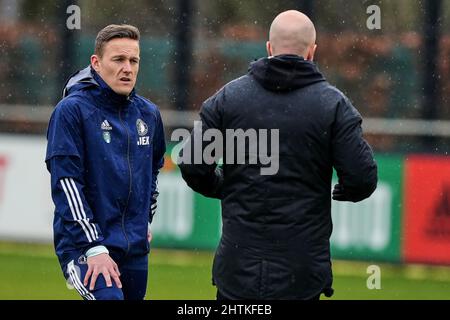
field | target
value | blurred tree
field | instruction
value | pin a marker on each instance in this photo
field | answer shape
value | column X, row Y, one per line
column 182, row 57
column 225, row 12
column 43, row 12
column 152, row 17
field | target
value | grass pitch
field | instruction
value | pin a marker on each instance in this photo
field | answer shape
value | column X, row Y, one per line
column 31, row 271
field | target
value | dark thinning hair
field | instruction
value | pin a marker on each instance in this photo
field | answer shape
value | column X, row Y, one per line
column 114, row 31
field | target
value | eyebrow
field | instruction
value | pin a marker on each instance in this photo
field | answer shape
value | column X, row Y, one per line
column 124, row 56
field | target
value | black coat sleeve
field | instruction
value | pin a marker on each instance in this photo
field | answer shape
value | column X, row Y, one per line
column 352, row 156
column 203, row 176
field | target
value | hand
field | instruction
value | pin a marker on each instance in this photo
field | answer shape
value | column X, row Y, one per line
column 338, row 193
column 102, row 264
column 149, row 236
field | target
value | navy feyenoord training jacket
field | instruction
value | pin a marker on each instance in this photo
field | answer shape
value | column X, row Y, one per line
column 104, row 153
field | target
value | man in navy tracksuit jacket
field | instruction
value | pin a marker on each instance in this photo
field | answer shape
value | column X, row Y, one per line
column 105, row 149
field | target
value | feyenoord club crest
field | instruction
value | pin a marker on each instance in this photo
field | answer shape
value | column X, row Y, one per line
column 141, row 127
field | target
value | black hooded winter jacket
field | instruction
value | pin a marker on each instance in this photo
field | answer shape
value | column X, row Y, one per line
column 276, row 228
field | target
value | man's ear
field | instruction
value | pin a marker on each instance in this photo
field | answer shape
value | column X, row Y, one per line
column 95, row 62
column 311, row 53
column 269, row 49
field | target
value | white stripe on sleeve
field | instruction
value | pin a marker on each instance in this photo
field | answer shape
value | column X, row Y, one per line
column 83, row 213
column 77, row 206
column 74, row 212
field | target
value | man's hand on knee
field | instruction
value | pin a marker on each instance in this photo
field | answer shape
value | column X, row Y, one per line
column 102, row 264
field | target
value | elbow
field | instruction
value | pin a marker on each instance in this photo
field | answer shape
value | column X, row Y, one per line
column 364, row 186
column 367, row 189
column 189, row 177
column 207, row 184
column 194, row 180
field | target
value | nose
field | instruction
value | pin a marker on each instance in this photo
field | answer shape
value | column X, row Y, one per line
column 127, row 67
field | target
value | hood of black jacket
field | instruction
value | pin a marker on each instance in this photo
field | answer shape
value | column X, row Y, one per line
column 285, row 72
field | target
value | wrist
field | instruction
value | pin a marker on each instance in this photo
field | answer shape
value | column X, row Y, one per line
column 95, row 251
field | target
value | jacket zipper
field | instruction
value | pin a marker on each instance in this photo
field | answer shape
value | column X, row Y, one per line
column 130, row 181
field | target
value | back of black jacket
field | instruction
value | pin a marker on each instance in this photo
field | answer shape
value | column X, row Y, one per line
column 276, row 228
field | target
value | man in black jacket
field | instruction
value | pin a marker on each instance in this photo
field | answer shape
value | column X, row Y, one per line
column 276, row 227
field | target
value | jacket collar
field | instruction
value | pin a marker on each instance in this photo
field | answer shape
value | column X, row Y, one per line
column 108, row 96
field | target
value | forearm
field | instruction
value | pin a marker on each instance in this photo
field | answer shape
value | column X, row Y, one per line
column 72, row 209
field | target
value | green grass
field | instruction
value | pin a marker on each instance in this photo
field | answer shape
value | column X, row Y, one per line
column 31, row 271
